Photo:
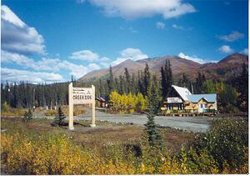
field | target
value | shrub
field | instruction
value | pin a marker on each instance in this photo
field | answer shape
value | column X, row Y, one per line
column 8, row 111
column 50, row 112
column 27, row 116
column 5, row 107
column 58, row 121
column 226, row 142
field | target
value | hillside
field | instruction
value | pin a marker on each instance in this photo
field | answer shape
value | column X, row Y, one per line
column 223, row 69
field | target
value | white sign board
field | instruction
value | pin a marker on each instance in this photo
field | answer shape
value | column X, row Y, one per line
column 81, row 95
column 174, row 100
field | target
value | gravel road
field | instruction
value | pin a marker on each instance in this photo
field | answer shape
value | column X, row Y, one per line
column 194, row 124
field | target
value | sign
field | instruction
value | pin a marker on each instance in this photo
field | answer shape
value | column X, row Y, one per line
column 174, row 100
column 81, row 95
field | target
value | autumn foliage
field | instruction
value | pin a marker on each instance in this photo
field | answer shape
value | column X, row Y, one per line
column 127, row 103
column 26, row 152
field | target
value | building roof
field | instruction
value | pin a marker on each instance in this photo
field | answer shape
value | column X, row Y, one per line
column 183, row 92
column 100, row 99
column 198, row 97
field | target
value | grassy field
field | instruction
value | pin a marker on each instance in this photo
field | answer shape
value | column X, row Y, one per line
column 36, row 147
column 104, row 134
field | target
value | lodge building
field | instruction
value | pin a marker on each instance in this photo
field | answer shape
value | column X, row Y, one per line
column 181, row 100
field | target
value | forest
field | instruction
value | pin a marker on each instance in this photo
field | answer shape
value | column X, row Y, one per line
column 232, row 93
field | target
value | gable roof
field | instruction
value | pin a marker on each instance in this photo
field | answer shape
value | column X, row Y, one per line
column 183, row 92
column 198, row 97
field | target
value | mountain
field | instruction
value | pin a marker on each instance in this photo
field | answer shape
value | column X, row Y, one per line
column 223, row 69
column 227, row 67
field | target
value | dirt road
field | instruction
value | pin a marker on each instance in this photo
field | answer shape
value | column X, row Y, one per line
column 194, row 124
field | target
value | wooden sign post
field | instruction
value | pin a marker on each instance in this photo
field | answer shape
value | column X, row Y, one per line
column 81, row 95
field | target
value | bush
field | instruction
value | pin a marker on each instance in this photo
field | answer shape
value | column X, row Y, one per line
column 127, row 103
column 5, row 107
column 8, row 111
column 58, row 121
column 226, row 142
column 27, row 116
column 24, row 151
column 50, row 112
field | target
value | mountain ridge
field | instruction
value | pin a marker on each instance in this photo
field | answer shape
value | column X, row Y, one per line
column 224, row 68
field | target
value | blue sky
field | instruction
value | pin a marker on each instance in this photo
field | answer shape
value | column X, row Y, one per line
column 47, row 41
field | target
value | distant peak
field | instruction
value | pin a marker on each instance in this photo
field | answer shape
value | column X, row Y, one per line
column 234, row 58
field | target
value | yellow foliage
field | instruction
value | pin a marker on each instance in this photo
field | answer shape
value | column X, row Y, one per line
column 7, row 111
column 127, row 103
column 41, row 154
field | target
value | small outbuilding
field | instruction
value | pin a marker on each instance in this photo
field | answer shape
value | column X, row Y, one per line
column 101, row 102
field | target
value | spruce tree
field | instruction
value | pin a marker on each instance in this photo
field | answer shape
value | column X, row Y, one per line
column 127, row 82
column 166, row 79
column 169, row 76
column 163, row 83
column 243, row 88
column 28, row 116
column 146, row 80
column 153, row 134
column 110, row 81
column 59, row 119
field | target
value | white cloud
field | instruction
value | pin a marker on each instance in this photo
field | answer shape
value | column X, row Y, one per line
column 130, row 9
column 245, row 51
column 178, row 27
column 118, row 61
column 133, row 54
column 49, row 64
column 130, row 53
column 233, row 36
column 128, row 28
column 93, row 66
column 13, row 75
column 80, row 1
column 85, row 55
column 160, row 25
column 195, row 58
column 19, row 37
column 226, row 49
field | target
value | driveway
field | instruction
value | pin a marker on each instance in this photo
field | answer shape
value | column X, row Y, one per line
column 193, row 124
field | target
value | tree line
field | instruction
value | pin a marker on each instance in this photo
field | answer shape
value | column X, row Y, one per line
column 232, row 93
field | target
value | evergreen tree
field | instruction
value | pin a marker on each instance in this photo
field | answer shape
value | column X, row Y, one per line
column 243, row 88
column 154, row 97
column 110, row 81
column 140, row 82
column 121, row 86
column 166, row 79
column 199, row 83
column 146, row 80
column 154, row 137
column 184, row 81
column 127, row 81
column 28, row 116
column 164, row 88
column 2, row 94
column 59, row 119
column 169, row 76
column 134, row 86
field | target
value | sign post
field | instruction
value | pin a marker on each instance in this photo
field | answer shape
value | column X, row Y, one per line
column 81, row 95
column 93, row 108
column 71, row 122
